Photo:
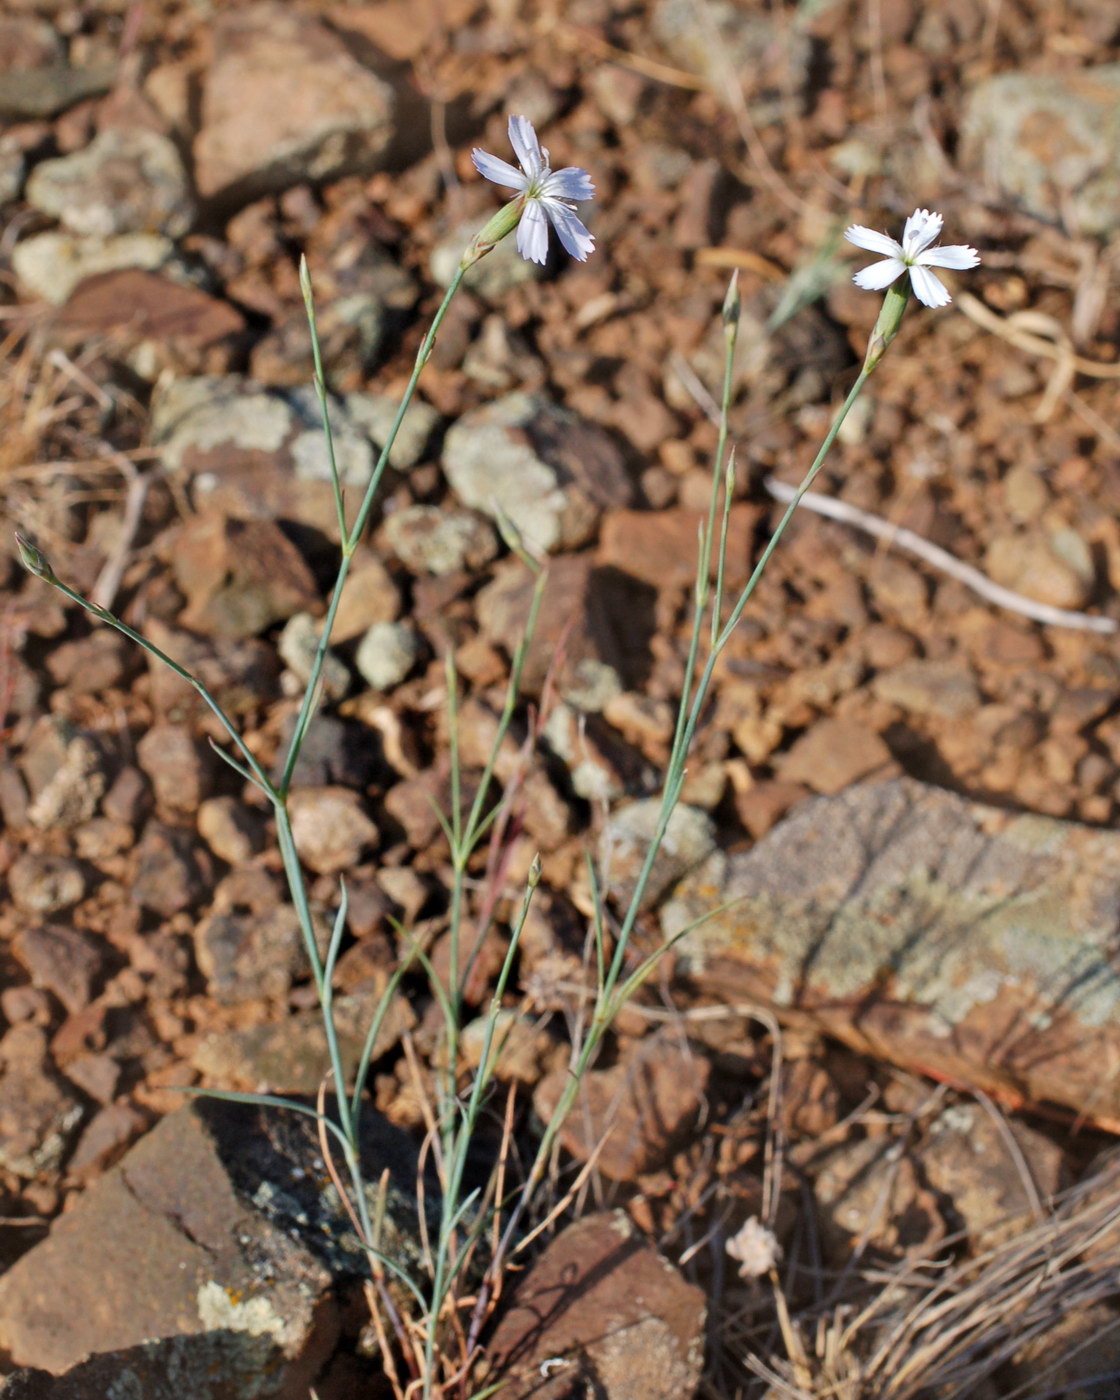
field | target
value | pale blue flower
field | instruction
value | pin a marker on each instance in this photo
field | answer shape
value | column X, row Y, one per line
column 546, row 196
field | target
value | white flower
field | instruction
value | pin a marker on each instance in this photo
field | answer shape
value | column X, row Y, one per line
column 756, row 1248
column 546, row 194
column 913, row 253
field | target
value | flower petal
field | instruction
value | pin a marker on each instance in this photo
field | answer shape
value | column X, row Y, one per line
column 500, row 171
column 569, row 183
column 958, row 255
column 570, row 231
column 922, row 227
column 873, row 242
column 879, row 275
column 523, row 139
column 532, row 232
column 929, row 290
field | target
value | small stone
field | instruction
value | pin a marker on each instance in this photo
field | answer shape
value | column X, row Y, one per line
column 387, row 653
column 38, row 1116
column 291, row 1056
column 44, row 884
column 376, row 413
column 283, row 102
column 541, row 467
column 640, row 1106
column 105, row 1138
column 331, row 828
column 128, row 797
column 97, row 1075
column 298, row 644
column 93, row 664
column 834, row 753
column 689, row 839
column 578, row 625
column 50, row 265
column 169, row 876
column 247, row 956
column 370, row 596
column 230, row 829
column 431, row 540
column 64, row 961
column 866, row 1191
column 938, row 689
column 239, row 576
column 181, row 767
column 516, row 1051
column 968, row 1158
column 1054, row 567
column 65, row 773
column 124, row 181
column 1025, row 493
column 613, row 1318
column 601, row 765
column 494, row 276
column 662, row 547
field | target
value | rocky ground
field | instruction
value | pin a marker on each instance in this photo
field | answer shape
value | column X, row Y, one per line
column 904, row 1032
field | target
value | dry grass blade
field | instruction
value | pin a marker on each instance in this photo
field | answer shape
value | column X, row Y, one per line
column 932, row 1331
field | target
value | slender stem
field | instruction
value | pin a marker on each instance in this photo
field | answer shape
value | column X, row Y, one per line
column 607, row 1005
column 351, row 539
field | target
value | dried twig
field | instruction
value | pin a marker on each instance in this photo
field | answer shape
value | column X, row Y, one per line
column 941, row 559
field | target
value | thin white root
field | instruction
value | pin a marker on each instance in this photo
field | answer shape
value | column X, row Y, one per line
column 941, row 559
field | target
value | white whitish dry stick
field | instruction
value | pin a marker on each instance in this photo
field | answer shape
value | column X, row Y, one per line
column 941, row 559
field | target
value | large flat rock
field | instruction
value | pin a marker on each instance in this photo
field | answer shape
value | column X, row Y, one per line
column 207, row 1260
column 957, row 939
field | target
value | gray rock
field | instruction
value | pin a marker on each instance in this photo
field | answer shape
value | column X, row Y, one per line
column 542, row 467
column 65, row 773
column 941, row 934
column 689, row 840
column 772, row 57
column 43, row 884
column 283, row 102
column 375, row 414
column 124, row 181
column 387, row 653
column 431, row 540
column 44, row 91
column 218, row 1235
column 298, row 643
column 51, row 265
column 201, row 413
column 244, row 956
column 254, row 452
column 290, row 1056
column 492, row 277
column 1051, row 143
column 170, row 874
